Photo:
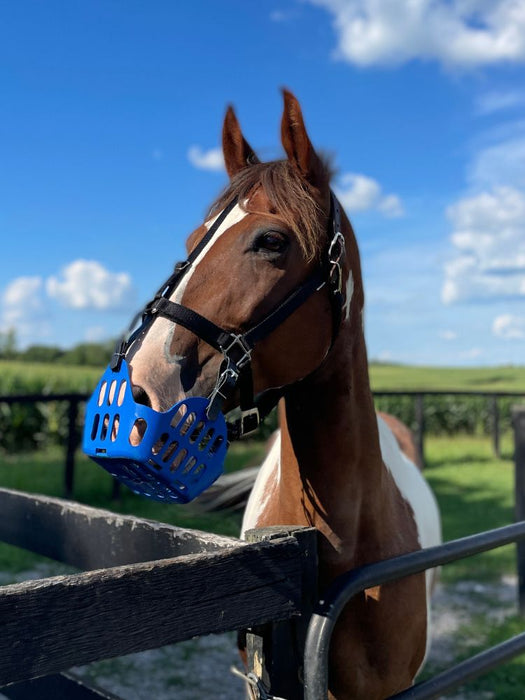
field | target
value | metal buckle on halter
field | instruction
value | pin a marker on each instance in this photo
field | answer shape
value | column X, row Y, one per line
column 250, row 421
column 336, row 252
column 238, row 341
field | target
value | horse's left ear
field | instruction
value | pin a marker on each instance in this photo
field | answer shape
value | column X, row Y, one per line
column 238, row 153
column 297, row 144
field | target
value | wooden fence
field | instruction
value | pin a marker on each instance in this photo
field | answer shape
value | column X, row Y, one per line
column 143, row 585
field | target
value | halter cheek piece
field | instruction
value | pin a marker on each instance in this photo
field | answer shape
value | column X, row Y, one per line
column 175, row 455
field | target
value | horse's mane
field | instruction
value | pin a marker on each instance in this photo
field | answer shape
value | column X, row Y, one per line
column 289, row 196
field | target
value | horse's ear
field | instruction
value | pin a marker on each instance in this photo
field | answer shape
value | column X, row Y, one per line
column 297, row 144
column 236, row 150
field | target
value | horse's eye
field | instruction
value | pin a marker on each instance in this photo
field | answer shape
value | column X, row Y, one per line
column 271, row 241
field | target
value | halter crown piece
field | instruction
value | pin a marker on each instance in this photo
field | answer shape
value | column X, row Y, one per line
column 176, row 455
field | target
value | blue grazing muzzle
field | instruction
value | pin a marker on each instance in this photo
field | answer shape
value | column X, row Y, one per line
column 174, row 456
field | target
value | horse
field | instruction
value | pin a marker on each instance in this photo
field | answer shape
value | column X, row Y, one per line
column 282, row 270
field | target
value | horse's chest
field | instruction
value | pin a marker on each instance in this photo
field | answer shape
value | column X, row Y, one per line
column 264, row 490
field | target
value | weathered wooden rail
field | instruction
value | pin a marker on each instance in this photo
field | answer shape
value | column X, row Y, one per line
column 146, row 584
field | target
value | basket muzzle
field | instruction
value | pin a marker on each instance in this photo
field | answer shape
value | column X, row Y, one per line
column 171, row 457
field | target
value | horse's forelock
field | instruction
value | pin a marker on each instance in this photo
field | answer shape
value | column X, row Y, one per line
column 289, row 197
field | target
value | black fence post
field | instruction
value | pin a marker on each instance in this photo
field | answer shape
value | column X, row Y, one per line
column 71, row 446
column 494, row 409
column 275, row 652
column 419, row 410
column 518, row 423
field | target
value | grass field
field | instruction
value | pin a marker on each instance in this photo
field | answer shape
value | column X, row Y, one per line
column 386, row 377
column 27, row 377
column 56, row 377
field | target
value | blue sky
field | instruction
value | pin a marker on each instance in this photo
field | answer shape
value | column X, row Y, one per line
column 111, row 119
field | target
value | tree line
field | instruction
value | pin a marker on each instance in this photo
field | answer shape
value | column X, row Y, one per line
column 90, row 354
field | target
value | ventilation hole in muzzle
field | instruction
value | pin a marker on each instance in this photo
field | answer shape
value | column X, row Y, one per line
column 189, row 465
column 178, row 416
column 179, row 459
column 115, row 427
column 121, row 392
column 105, row 425
column 94, row 428
column 137, row 432
column 102, row 393
column 206, row 439
column 170, row 451
column 216, row 445
column 196, row 431
column 199, row 470
column 112, row 390
column 157, row 447
column 190, row 420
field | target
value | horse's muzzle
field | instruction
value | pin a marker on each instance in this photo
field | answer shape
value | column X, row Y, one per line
column 172, row 456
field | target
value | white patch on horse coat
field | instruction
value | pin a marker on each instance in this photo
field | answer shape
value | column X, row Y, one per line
column 262, row 491
column 416, row 491
column 237, row 214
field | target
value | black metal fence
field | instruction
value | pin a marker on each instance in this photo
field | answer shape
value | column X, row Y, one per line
column 75, row 401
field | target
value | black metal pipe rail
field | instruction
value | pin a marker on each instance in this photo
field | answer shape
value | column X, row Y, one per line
column 345, row 587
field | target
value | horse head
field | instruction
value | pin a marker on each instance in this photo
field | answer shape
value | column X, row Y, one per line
column 271, row 279
column 274, row 237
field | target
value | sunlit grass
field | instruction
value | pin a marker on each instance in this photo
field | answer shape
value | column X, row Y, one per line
column 386, row 377
column 475, row 493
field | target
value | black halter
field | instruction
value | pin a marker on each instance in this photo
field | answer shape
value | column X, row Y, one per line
column 237, row 347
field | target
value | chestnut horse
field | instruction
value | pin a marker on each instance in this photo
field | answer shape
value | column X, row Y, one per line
column 336, row 465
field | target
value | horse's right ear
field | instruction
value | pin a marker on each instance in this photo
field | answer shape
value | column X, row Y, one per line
column 238, row 153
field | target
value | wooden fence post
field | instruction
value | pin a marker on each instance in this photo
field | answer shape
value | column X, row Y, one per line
column 275, row 651
column 71, row 446
column 495, row 424
column 518, row 423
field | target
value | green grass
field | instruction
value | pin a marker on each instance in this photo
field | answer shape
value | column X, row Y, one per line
column 61, row 377
column 386, row 377
column 26, row 377
column 475, row 493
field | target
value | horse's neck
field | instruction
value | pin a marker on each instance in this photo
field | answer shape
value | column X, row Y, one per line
column 331, row 472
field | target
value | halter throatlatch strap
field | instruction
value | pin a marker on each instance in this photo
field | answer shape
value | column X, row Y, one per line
column 237, row 347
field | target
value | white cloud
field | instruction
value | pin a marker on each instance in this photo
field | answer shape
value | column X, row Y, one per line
column 361, row 193
column 509, row 327
column 23, row 308
column 95, row 334
column 211, row 160
column 471, row 354
column 489, row 242
column 448, row 335
column 499, row 101
column 466, row 33
column 501, row 162
column 86, row 284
